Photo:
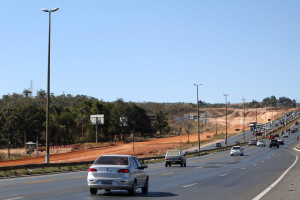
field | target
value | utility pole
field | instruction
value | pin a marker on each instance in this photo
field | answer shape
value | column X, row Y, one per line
column 47, row 157
column 8, row 145
column 244, row 122
column 133, row 141
column 256, row 120
column 266, row 120
column 226, row 117
column 197, row 85
column 216, row 126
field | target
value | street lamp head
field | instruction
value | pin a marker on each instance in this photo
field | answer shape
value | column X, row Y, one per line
column 54, row 9
column 225, row 95
column 197, row 84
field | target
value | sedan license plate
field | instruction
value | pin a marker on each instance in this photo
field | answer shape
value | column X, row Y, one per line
column 106, row 182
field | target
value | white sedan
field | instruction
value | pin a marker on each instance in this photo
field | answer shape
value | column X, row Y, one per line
column 261, row 143
column 237, row 150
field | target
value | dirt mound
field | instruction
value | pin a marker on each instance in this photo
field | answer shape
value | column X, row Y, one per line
column 160, row 146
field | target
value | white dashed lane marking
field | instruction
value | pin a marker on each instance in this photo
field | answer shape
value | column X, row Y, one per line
column 168, row 173
column 223, row 174
column 190, row 185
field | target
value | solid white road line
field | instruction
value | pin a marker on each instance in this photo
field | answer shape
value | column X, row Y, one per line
column 296, row 149
column 277, row 181
column 15, row 198
column 243, row 168
column 190, row 185
column 168, row 173
column 254, row 165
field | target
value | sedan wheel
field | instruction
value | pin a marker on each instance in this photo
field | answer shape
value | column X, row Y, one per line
column 145, row 188
column 93, row 191
column 132, row 191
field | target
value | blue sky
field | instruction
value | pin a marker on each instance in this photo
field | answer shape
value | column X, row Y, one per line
column 153, row 50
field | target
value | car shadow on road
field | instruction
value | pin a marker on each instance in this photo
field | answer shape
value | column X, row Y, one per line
column 125, row 194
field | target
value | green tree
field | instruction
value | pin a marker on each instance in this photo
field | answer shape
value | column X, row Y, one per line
column 120, row 109
column 161, row 121
column 27, row 93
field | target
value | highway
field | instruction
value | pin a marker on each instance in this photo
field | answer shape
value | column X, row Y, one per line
column 214, row 176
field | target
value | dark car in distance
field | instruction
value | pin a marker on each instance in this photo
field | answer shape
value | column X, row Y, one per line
column 274, row 142
column 218, row 144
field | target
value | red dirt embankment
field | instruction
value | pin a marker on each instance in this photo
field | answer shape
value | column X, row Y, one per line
column 155, row 146
column 142, row 149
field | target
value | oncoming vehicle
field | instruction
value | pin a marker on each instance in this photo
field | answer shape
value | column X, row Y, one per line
column 175, row 157
column 237, row 150
column 117, row 172
column 218, row 144
column 261, row 143
column 252, row 142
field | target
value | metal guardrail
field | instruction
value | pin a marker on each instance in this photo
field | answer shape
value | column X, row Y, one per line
column 203, row 152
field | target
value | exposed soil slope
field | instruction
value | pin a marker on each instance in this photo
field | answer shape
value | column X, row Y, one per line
column 158, row 146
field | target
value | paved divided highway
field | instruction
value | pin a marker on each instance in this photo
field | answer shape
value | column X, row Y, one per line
column 214, row 176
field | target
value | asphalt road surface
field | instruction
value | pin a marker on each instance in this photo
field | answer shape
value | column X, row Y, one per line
column 214, row 176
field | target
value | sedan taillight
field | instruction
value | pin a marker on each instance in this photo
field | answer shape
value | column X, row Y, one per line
column 92, row 170
column 123, row 171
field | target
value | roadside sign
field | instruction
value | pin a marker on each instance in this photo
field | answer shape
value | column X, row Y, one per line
column 97, row 119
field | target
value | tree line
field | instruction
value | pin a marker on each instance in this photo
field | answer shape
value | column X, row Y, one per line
column 23, row 119
column 268, row 101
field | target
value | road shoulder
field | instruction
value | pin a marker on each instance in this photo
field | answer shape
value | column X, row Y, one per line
column 288, row 187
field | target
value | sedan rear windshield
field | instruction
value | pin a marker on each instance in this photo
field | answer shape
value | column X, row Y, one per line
column 173, row 153
column 112, row 160
column 236, row 148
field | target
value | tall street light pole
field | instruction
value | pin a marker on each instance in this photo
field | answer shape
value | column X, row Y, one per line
column 47, row 157
column 244, row 122
column 226, row 117
column 256, row 120
column 266, row 120
column 198, row 117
